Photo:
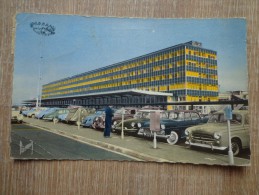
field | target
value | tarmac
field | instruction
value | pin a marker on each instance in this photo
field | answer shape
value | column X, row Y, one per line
column 141, row 149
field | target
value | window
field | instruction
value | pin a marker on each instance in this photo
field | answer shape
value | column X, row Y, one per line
column 194, row 116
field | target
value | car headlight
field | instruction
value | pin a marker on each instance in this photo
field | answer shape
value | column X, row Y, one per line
column 216, row 135
column 139, row 125
column 133, row 124
column 187, row 132
column 162, row 126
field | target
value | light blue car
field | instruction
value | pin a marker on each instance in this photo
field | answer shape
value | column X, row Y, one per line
column 26, row 112
column 89, row 120
column 42, row 113
column 62, row 117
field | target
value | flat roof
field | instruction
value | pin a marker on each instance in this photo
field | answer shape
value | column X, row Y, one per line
column 118, row 92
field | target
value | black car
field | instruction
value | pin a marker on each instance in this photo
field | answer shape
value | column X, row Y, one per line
column 173, row 127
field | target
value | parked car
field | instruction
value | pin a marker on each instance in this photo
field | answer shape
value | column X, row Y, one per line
column 129, row 112
column 43, row 112
column 25, row 112
column 214, row 134
column 90, row 120
column 62, row 117
column 133, row 125
column 76, row 115
column 54, row 115
column 17, row 117
column 173, row 127
column 34, row 112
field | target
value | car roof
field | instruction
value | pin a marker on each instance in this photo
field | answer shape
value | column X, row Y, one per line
column 182, row 111
column 233, row 111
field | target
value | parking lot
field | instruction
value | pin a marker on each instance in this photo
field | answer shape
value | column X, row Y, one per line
column 136, row 147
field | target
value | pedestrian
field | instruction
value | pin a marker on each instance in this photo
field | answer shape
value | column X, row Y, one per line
column 108, row 121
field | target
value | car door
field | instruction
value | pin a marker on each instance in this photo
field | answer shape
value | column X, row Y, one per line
column 187, row 120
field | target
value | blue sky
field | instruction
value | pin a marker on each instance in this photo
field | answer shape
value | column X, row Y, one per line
column 81, row 44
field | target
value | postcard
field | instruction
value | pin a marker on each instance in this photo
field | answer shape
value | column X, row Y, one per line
column 130, row 89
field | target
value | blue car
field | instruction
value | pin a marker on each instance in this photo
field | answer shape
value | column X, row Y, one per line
column 89, row 121
column 62, row 117
column 42, row 113
column 173, row 127
column 54, row 115
column 25, row 113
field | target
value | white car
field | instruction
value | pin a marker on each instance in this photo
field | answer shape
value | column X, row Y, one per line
column 214, row 134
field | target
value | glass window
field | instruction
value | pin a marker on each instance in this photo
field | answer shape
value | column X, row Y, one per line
column 194, row 116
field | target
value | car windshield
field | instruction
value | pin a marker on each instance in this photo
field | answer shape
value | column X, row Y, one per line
column 147, row 115
column 220, row 118
column 176, row 115
column 99, row 112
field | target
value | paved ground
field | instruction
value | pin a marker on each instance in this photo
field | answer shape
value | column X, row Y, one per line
column 137, row 147
column 48, row 145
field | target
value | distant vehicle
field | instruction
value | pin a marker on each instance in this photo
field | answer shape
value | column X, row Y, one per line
column 43, row 112
column 25, row 112
column 62, row 117
column 76, row 115
column 17, row 117
column 214, row 134
column 55, row 114
column 133, row 125
column 33, row 113
column 99, row 121
column 173, row 127
column 129, row 112
column 90, row 120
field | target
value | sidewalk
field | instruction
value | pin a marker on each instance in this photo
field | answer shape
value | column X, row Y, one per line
column 136, row 147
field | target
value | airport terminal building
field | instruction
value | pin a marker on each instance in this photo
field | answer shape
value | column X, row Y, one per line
column 184, row 72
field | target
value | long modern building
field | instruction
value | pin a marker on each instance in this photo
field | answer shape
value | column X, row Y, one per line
column 187, row 72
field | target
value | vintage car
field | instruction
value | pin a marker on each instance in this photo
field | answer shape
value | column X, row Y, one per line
column 25, row 112
column 55, row 113
column 17, row 117
column 129, row 112
column 77, row 115
column 34, row 112
column 90, row 120
column 133, row 125
column 173, row 127
column 62, row 117
column 214, row 134
column 42, row 113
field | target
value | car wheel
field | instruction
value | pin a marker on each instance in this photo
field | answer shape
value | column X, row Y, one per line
column 236, row 147
column 173, row 138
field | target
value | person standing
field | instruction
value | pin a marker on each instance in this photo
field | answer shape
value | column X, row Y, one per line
column 108, row 121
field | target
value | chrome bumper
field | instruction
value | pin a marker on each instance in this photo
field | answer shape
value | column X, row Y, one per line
column 129, row 130
column 206, row 145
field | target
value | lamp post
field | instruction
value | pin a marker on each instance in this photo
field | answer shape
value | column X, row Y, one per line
column 43, row 29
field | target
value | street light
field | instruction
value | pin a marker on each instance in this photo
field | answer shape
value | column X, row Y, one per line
column 43, row 29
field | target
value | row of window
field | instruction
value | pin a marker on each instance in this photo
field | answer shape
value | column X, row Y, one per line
column 157, row 86
column 142, row 74
column 175, row 78
column 110, row 69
